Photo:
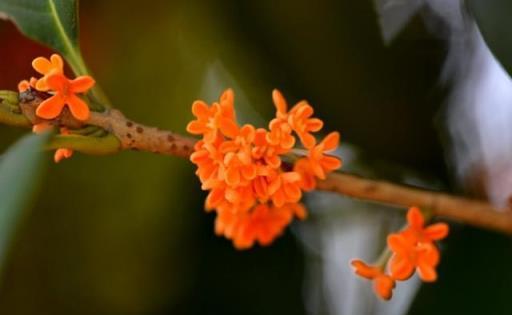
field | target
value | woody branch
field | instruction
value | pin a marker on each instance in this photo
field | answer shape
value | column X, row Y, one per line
column 129, row 135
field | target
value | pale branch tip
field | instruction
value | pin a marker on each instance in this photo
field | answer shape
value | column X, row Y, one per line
column 125, row 134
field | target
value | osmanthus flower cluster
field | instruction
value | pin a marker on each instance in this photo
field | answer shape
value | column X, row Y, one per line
column 256, row 176
column 413, row 249
column 64, row 94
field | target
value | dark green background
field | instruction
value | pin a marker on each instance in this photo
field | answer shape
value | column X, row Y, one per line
column 126, row 234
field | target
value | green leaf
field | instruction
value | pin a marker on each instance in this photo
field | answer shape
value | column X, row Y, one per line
column 55, row 24
column 51, row 22
column 494, row 22
column 21, row 170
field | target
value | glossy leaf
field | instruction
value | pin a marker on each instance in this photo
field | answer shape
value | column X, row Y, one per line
column 51, row 22
column 493, row 19
column 21, row 169
column 54, row 23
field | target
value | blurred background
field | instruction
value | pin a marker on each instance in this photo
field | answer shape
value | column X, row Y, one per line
column 411, row 86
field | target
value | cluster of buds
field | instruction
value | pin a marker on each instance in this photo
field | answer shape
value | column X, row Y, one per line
column 63, row 94
column 413, row 249
column 256, row 176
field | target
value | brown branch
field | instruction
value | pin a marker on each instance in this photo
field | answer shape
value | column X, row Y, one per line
column 472, row 212
column 132, row 135
column 139, row 137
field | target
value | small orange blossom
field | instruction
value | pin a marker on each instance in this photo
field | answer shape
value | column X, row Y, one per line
column 383, row 284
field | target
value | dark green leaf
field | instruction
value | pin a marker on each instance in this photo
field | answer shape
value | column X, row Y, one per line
column 51, row 22
column 21, row 169
column 55, row 24
column 494, row 22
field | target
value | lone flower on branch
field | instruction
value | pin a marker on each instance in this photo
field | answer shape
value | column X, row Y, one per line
column 412, row 249
column 63, row 93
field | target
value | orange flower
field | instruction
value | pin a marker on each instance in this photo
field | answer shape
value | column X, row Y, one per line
column 25, row 85
column 413, row 247
column 61, row 154
column 208, row 158
column 63, row 89
column 411, row 250
column 238, row 167
column 383, row 284
column 303, row 125
column 417, row 232
column 320, row 163
column 218, row 117
column 285, row 188
column 254, row 194
column 262, row 149
column 298, row 119
column 280, row 136
column 407, row 256
column 47, row 68
column 65, row 94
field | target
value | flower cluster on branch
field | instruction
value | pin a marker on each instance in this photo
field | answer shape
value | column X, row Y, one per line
column 256, row 176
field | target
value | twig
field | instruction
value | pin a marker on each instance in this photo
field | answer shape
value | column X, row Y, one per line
column 135, row 136
column 472, row 212
column 131, row 135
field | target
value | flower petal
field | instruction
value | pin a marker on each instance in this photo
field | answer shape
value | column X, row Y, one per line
column 279, row 101
column 196, row 128
column 415, row 218
column 201, row 110
column 57, row 62
column 314, row 125
column 228, row 127
column 215, row 197
column 51, row 107
column 400, row 267
column 78, row 107
column 232, row 176
column 278, row 198
column 41, row 85
column 42, row 65
column 307, row 139
column 227, row 100
column 81, row 84
column 23, row 86
column 364, row 270
column 292, row 193
column 427, row 273
column 437, row 231
column 331, row 141
column 302, row 110
column 290, row 177
column 383, row 286
column 330, row 163
column 61, row 154
column 429, row 254
column 249, row 172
